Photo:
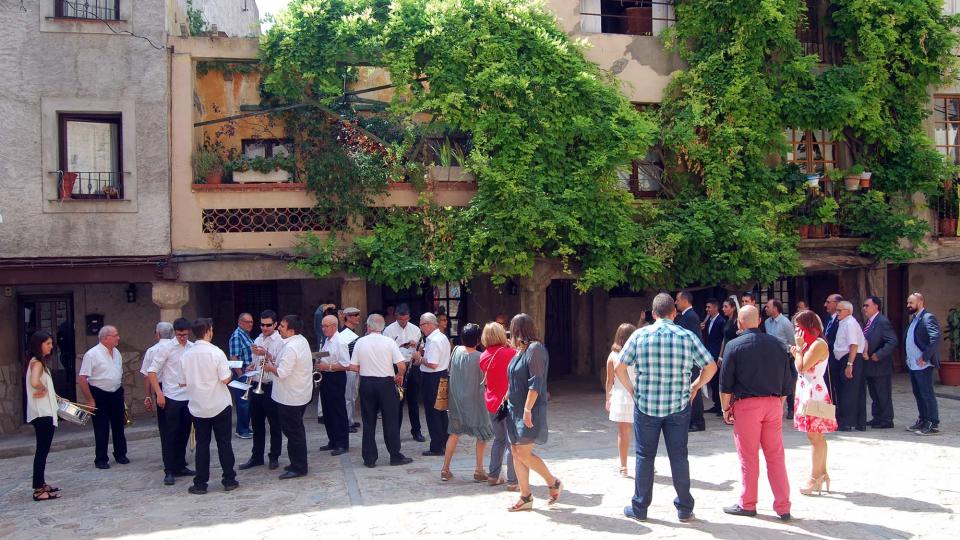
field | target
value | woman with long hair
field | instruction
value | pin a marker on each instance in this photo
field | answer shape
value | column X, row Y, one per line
column 810, row 356
column 619, row 402
column 41, row 410
column 527, row 374
column 467, row 409
column 730, row 308
column 493, row 362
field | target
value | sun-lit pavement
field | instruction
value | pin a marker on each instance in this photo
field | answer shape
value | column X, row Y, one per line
column 886, row 484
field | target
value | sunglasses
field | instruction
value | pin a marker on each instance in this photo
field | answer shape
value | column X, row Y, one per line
column 267, row 325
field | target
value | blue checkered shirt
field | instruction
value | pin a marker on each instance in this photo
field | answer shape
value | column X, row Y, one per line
column 663, row 355
column 240, row 344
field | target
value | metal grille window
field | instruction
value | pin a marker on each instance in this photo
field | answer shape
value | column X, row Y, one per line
column 247, row 220
column 812, row 150
column 448, row 299
column 782, row 290
column 633, row 17
column 91, row 161
column 88, row 9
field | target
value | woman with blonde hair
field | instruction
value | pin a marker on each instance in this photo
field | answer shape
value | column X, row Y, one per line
column 527, row 425
column 619, row 402
column 810, row 356
column 493, row 363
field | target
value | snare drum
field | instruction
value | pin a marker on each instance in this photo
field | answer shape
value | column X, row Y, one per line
column 71, row 413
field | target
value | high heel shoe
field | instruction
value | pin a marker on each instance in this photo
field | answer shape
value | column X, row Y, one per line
column 814, row 484
column 826, row 478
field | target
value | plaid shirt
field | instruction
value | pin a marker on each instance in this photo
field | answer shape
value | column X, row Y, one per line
column 663, row 355
column 240, row 344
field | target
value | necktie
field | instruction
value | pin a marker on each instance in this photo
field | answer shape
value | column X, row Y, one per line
column 869, row 324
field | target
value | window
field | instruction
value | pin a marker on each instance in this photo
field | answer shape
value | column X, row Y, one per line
column 812, row 150
column 951, row 7
column 266, row 148
column 946, row 124
column 633, row 17
column 782, row 290
column 642, row 177
column 87, row 9
column 447, row 300
column 813, row 35
column 91, row 156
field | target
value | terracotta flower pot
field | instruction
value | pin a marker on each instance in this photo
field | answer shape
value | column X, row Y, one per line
column 66, row 185
column 947, row 226
column 818, row 231
column 804, row 231
column 950, row 373
column 852, row 183
column 215, row 176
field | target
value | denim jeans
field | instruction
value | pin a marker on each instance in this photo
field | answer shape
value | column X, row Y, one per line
column 243, row 412
column 499, row 448
column 675, row 429
column 922, row 382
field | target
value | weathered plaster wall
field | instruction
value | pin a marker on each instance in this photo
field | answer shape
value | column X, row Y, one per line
column 938, row 284
column 237, row 18
column 87, row 72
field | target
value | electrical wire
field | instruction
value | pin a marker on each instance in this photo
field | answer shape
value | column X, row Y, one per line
column 93, row 15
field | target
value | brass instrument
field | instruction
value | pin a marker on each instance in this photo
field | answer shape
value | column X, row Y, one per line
column 259, row 389
column 317, row 374
column 127, row 416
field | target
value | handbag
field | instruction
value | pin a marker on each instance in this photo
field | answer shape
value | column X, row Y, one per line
column 818, row 409
column 503, row 410
column 441, row 403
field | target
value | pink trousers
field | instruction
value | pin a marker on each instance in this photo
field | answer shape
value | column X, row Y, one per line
column 757, row 423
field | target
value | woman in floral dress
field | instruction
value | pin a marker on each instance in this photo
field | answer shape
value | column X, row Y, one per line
column 810, row 355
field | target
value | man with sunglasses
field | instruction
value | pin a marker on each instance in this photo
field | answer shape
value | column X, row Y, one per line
column 267, row 348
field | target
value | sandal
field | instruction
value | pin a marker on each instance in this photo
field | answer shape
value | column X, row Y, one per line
column 42, row 494
column 624, row 473
column 495, row 480
column 479, row 476
column 445, row 475
column 524, row 504
column 50, row 489
column 513, row 487
column 555, row 492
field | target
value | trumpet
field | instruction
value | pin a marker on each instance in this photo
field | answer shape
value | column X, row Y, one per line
column 127, row 416
column 259, row 389
column 317, row 374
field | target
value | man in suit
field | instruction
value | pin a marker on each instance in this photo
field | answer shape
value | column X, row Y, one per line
column 687, row 318
column 922, row 341
column 834, row 366
column 878, row 363
column 713, row 339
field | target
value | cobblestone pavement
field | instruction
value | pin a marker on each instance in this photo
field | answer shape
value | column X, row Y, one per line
column 886, row 484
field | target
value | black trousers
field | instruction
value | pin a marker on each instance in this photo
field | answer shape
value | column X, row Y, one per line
column 793, row 387
column 262, row 409
column 333, row 389
column 291, row 423
column 108, row 418
column 221, row 426
column 881, row 396
column 176, row 433
column 378, row 395
column 852, row 410
column 43, row 428
column 714, row 386
column 834, row 380
column 437, row 420
column 696, row 410
column 412, row 391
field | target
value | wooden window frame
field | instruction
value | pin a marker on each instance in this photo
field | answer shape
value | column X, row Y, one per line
column 809, row 164
column 100, row 118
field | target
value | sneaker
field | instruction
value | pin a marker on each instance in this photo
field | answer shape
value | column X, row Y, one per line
column 683, row 518
column 736, row 510
column 197, row 490
column 245, row 435
column 786, row 517
column 928, row 429
column 916, row 425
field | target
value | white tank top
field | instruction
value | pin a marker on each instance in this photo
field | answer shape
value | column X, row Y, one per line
column 44, row 406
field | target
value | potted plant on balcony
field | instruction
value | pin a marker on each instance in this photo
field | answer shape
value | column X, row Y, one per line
column 865, row 179
column 851, row 180
column 823, row 212
column 948, row 207
column 259, row 169
column 208, row 167
column 950, row 366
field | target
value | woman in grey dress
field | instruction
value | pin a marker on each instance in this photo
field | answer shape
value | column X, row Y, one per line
column 527, row 374
column 467, row 410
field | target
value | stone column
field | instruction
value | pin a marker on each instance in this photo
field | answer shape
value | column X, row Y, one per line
column 533, row 295
column 170, row 297
column 353, row 293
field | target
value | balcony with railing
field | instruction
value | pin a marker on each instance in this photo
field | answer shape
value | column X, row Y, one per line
column 89, row 185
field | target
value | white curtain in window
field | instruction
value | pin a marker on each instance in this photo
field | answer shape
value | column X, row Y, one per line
column 590, row 23
column 92, row 147
column 950, row 7
column 662, row 16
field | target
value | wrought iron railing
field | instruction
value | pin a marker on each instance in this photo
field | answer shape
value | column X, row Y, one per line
column 88, row 9
column 254, row 220
column 637, row 17
column 90, row 185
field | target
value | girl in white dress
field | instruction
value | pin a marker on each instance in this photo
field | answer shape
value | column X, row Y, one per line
column 619, row 402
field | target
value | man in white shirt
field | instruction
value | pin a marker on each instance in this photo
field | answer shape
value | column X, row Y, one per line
column 334, row 364
column 408, row 337
column 206, row 375
column 434, row 362
column 165, row 373
column 350, row 334
column 164, row 335
column 374, row 357
column 100, row 373
column 851, row 386
column 779, row 326
column 263, row 408
column 293, row 390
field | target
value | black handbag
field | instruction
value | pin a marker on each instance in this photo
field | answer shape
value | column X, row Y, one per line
column 503, row 410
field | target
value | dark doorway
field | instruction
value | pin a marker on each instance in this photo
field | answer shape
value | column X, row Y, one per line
column 895, row 309
column 53, row 314
column 558, row 334
column 819, row 287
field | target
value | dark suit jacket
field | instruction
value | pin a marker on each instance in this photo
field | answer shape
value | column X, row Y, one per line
column 713, row 337
column 881, row 340
column 927, row 338
column 691, row 321
column 830, row 335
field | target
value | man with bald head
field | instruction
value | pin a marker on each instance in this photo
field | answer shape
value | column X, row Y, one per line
column 334, row 363
column 755, row 379
column 922, row 342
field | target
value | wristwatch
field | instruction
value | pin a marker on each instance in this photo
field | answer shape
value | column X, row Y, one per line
column 849, row 364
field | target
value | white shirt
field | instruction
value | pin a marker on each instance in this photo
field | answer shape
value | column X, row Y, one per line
column 338, row 349
column 436, row 351
column 848, row 333
column 294, row 383
column 148, row 355
column 204, row 370
column 404, row 335
column 347, row 335
column 274, row 345
column 376, row 355
column 101, row 369
column 168, row 365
